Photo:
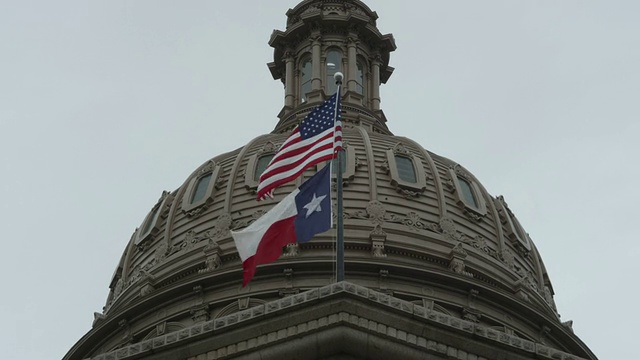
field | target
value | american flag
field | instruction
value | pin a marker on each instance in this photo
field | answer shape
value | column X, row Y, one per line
column 310, row 143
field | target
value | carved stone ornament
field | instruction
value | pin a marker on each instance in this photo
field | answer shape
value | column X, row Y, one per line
column 213, row 260
column 127, row 335
column 200, row 313
column 288, row 289
column 449, row 231
column 413, row 221
column 472, row 315
column 147, row 283
column 400, row 149
column 268, row 148
column 548, row 298
column 456, row 262
column 207, row 168
column 377, row 214
column 378, row 237
column 291, row 250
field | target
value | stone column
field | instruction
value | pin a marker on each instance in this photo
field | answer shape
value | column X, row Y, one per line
column 375, row 82
column 352, row 43
column 289, row 95
column 316, row 43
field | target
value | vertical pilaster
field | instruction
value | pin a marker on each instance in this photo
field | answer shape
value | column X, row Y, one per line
column 375, row 83
column 316, row 43
column 352, row 43
column 289, row 96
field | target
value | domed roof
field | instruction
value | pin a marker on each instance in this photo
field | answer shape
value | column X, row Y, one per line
column 418, row 226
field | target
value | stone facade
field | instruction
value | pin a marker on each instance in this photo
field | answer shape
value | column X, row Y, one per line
column 436, row 266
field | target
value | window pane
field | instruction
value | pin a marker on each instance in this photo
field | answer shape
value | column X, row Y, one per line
column 406, row 171
column 201, row 188
column 467, row 193
column 334, row 64
column 305, row 79
column 360, row 79
column 261, row 164
column 334, row 164
column 147, row 225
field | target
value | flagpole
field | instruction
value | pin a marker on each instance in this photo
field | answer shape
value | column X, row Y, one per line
column 340, row 226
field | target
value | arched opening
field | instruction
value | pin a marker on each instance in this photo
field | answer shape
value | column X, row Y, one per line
column 305, row 78
column 334, row 65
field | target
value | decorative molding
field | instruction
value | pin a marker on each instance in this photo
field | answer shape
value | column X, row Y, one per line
column 213, row 260
column 291, row 250
column 344, row 315
column 405, row 188
column 516, row 234
column 250, row 183
column 456, row 260
column 288, row 289
column 197, row 208
column 150, row 227
column 473, row 212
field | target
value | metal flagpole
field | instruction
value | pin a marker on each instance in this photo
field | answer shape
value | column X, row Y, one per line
column 340, row 226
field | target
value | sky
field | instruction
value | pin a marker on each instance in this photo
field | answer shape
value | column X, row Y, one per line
column 105, row 104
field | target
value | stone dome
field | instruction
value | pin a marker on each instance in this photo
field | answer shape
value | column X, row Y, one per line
column 419, row 227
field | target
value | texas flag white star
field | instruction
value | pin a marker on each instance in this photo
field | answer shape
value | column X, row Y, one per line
column 314, row 205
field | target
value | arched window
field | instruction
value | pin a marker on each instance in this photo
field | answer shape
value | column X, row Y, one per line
column 334, row 65
column 360, row 71
column 467, row 192
column 406, row 170
column 201, row 188
column 261, row 164
column 305, row 78
column 151, row 224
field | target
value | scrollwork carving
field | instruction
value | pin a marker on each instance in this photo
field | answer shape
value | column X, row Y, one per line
column 291, row 250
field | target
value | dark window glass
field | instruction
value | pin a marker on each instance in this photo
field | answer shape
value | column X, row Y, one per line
column 467, row 193
column 201, row 188
column 360, row 78
column 147, row 225
column 261, row 164
column 334, row 164
column 406, row 171
column 334, row 65
column 305, row 79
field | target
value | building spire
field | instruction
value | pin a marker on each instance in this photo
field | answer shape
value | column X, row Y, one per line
column 324, row 37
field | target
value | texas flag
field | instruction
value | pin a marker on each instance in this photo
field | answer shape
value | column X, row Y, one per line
column 297, row 218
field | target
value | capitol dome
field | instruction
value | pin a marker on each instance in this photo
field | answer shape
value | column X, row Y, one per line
column 436, row 267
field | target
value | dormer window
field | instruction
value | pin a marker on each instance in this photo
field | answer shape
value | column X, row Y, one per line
column 334, row 65
column 261, row 165
column 151, row 224
column 515, row 232
column 467, row 192
column 257, row 164
column 305, row 78
column 406, row 170
column 201, row 190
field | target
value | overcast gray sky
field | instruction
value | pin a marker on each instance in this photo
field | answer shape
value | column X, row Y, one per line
column 104, row 104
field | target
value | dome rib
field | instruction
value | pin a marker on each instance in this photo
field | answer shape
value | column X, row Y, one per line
column 442, row 205
column 370, row 162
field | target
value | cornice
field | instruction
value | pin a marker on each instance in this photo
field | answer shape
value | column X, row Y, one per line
column 340, row 304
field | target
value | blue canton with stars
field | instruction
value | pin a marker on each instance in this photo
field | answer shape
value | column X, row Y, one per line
column 319, row 119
